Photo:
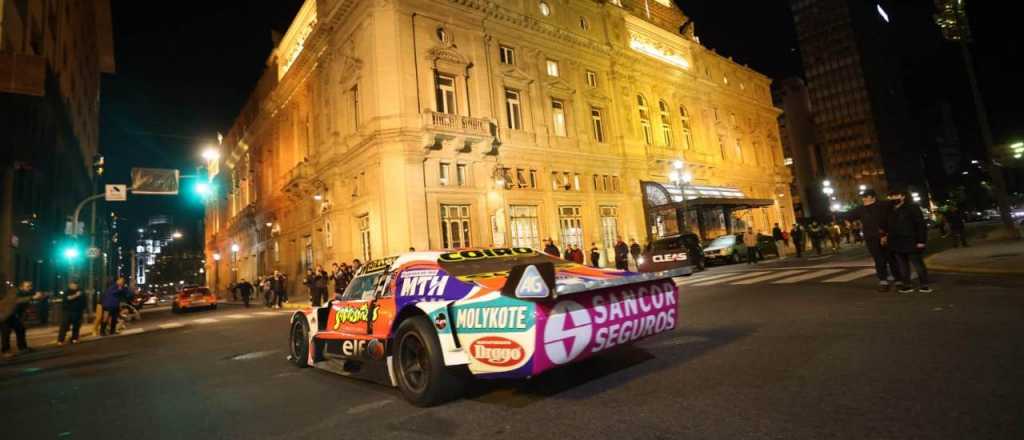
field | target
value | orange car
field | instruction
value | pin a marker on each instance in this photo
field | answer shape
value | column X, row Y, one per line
column 194, row 298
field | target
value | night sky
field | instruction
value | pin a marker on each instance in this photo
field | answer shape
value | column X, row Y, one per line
column 185, row 70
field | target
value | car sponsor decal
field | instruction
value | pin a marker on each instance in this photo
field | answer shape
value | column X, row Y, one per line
column 668, row 258
column 353, row 315
column 584, row 324
column 441, row 321
column 428, row 283
column 497, row 351
column 485, row 253
column 503, row 315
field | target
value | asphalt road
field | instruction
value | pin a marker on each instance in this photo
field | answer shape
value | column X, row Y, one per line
column 756, row 356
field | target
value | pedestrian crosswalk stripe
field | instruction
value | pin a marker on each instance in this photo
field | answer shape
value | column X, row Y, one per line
column 770, row 276
column 238, row 316
column 205, row 320
column 705, row 278
column 732, row 278
column 851, row 276
column 806, row 276
column 267, row 313
column 132, row 331
column 171, row 325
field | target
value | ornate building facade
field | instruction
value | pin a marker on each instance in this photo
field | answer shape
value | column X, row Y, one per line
column 384, row 125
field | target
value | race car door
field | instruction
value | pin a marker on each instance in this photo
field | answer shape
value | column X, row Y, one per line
column 350, row 318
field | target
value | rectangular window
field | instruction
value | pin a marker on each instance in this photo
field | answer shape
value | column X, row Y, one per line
column 576, row 182
column 445, row 93
column 460, row 174
column 558, row 117
column 363, row 223
column 507, row 55
column 615, row 184
column 523, row 224
column 328, row 234
column 739, row 150
column 597, row 123
column 566, row 181
column 355, row 106
column 609, row 232
column 443, row 173
column 571, row 226
column 597, row 183
column 455, row 223
column 606, row 183
column 533, row 179
column 555, row 180
column 513, row 106
column 552, row 68
column 591, row 78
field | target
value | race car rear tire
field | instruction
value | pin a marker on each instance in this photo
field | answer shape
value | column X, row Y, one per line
column 298, row 341
column 422, row 376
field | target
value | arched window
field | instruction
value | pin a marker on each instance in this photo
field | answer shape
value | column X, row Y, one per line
column 684, row 119
column 666, row 125
column 645, row 119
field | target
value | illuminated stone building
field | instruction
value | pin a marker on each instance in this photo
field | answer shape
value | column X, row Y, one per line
column 384, row 125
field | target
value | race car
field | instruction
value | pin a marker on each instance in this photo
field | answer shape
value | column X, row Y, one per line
column 426, row 322
column 194, row 297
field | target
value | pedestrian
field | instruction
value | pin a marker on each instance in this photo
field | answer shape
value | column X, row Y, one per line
column 567, row 255
column 873, row 217
column 342, row 277
column 955, row 220
column 550, row 248
column 817, row 234
column 308, row 280
column 268, row 292
column 320, row 280
column 111, row 301
column 907, row 236
column 780, row 241
column 750, row 241
column 798, row 236
column 634, row 250
column 245, row 291
column 595, row 255
column 356, row 265
column 72, row 306
column 855, row 228
column 233, row 288
column 277, row 284
column 621, row 255
column 835, row 234
column 577, row 254
column 13, row 305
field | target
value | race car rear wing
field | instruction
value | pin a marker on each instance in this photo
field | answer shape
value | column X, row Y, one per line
column 538, row 281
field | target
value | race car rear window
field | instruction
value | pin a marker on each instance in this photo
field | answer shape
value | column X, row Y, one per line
column 482, row 261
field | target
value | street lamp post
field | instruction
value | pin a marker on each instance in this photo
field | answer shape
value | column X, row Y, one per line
column 216, row 270
column 681, row 178
column 952, row 21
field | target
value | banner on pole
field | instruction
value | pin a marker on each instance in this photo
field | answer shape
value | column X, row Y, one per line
column 160, row 181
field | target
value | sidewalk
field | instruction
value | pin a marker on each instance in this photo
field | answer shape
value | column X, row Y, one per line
column 87, row 325
column 990, row 252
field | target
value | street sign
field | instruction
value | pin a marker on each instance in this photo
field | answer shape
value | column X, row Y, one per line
column 93, row 252
column 155, row 181
column 116, row 193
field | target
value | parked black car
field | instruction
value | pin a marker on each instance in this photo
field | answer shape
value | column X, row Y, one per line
column 672, row 252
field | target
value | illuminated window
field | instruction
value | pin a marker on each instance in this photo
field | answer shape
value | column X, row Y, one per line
column 558, row 117
column 513, row 108
column 545, row 9
column 445, row 94
column 507, row 55
column 552, row 68
column 455, row 223
column 684, row 119
column 591, row 78
column 666, row 126
column 461, row 176
column 443, row 173
column 645, row 119
column 584, row 23
column 598, row 125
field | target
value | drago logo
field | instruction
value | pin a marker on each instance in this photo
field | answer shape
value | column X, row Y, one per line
column 497, row 351
column 569, row 326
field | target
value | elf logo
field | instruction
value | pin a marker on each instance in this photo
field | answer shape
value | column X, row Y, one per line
column 567, row 332
column 668, row 258
column 497, row 351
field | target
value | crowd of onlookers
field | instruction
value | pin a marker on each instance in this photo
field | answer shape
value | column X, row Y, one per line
column 274, row 288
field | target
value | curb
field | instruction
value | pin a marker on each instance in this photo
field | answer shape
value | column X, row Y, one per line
column 968, row 270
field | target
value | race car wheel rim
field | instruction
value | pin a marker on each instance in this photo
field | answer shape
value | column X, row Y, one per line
column 415, row 365
column 298, row 340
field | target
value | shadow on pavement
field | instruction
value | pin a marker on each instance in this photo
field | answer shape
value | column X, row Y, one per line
column 580, row 380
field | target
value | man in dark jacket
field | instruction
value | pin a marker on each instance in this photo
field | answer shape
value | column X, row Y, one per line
column 634, row 249
column 245, row 289
column 621, row 255
column 780, row 242
column 874, row 219
column 551, row 249
column 798, row 236
column 15, row 303
column 906, row 238
column 319, row 287
column 955, row 220
column 72, row 306
column 277, row 285
column 595, row 255
column 342, row 276
column 111, row 301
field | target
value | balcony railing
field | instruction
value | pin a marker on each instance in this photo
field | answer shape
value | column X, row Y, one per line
column 457, row 124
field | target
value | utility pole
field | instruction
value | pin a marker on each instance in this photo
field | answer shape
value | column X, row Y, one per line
column 952, row 20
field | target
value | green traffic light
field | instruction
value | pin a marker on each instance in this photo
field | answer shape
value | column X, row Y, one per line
column 71, row 253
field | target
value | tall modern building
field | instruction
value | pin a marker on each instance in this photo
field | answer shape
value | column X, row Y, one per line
column 853, row 75
column 801, row 147
column 446, row 124
column 52, row 54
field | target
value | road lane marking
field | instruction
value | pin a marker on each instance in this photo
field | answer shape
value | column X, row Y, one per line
column 806, row 276
column 770, row 276
column 851, row 276
column 171, row 325
column 238, row 316
column 267, row 313
column 205, row 320
column 732, row 278
column 705, row 278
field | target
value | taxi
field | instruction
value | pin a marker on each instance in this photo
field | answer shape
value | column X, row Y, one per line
column 194, row 297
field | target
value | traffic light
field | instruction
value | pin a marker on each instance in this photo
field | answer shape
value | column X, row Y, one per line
column 70, row 252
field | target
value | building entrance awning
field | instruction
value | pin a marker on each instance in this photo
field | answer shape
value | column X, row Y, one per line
column 658, row 195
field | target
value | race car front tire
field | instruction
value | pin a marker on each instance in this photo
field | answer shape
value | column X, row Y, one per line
column 422, row 376
column 298, row 341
